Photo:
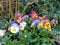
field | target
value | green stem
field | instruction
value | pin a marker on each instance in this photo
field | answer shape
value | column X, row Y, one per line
column 14, row 36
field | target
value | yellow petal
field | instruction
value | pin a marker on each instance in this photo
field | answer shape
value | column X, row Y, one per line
column 41, row 25
column 14, row 30
column 19, row 20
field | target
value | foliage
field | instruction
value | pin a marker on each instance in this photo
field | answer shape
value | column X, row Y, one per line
column 32, row 35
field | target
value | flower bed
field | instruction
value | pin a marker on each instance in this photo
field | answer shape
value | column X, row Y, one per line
column 28, row 30
column 33, row 22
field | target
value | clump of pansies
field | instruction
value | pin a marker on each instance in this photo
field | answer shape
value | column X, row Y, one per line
column 19, row 23
column 40, row 22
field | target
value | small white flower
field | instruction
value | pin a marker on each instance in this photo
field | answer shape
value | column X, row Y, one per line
column 2, row 33
column 14, row 28
column 32, row 25
column 21, row 26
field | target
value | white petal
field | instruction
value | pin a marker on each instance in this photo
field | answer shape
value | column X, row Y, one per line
column 24, row 23
column 12, row 27
column 21, row 26
column 2, row 33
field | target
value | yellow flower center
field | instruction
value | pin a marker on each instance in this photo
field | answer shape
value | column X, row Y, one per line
column 47, row 26
column 34, row 16
column 14, row 30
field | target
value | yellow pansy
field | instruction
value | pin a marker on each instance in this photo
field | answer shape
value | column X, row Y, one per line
column 47, row 25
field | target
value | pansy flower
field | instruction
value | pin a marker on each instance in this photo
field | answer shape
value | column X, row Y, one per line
column 45, row 24
column 2, row 33
column 35, row 19
column 14, row 27
column 18, row 15
column 21, row 21
column 20, row 18
column 22, row 25
column 34, row 15
column 35, row 22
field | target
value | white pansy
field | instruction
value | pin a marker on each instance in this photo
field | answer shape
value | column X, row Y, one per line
column 14, row 28
column 22, row 26
column 2, row 33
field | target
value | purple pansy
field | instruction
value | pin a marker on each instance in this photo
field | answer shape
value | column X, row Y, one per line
column 36, row 21
column 14, row 27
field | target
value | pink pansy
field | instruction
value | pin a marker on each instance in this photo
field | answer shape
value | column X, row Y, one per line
column 45, row 21
column 34, row 15
column 18, row 15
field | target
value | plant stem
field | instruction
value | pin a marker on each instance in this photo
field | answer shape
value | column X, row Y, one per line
column 14, row 36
